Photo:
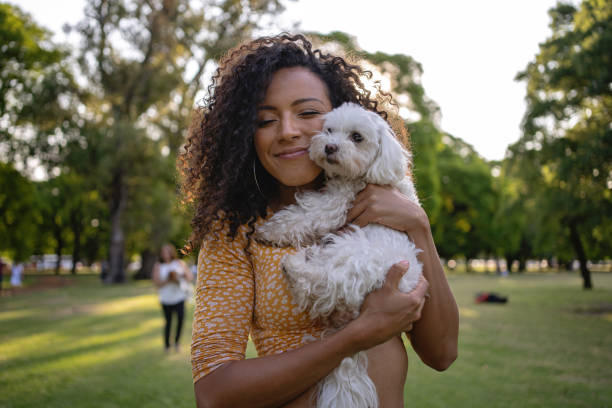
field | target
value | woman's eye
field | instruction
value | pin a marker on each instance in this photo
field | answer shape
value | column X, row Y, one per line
column 356, row 137
column 264, row 122
column 309, row 113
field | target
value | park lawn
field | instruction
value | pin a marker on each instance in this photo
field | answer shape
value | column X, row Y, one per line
column 550, row 346
column 90, row 345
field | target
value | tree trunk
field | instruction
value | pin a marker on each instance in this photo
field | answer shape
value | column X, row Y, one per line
column 57, row 231
column 75, row 223
column 117, row 245
column 522, row 265
column 509, row 262
column 524, row 253
column 148, row 259
column 579, row 249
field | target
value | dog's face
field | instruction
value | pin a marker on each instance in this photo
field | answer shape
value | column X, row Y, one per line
column 357, row 143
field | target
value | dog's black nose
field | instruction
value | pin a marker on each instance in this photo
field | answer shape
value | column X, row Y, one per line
column 331, row 148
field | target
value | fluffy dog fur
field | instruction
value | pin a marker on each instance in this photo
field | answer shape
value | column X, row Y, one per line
column 332, row 273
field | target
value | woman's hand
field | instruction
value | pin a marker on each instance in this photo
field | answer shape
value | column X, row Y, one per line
column 387, row 312
column 385, row 205
column 435, row 334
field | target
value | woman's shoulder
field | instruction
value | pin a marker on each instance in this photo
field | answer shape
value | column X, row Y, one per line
column 220, row 230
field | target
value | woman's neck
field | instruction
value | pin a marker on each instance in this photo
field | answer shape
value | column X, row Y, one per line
column 286, row 194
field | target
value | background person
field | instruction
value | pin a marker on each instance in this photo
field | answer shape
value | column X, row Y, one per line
column 171, row 276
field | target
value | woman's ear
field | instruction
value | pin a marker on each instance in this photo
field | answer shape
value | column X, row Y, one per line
column 391, row 162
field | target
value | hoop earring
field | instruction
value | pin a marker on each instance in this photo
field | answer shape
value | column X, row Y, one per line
column 256, row 182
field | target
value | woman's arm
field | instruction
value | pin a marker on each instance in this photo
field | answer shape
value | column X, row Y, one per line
column 275, row 380
column 278, row 379
column 435, row 335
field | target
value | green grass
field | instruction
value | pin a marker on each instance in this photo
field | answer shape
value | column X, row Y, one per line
column 90, row 345
column 535, row 351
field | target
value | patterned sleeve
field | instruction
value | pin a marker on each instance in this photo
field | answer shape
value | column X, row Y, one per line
column 224, row 298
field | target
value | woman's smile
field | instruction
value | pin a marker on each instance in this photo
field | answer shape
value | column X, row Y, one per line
column 292, row 153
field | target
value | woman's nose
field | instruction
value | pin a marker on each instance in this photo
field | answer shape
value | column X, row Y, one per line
column 289, row 129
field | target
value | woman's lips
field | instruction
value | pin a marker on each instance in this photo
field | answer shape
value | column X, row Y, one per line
column 293, row 153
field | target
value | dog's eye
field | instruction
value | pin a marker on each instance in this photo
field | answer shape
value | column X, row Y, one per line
column 329, row 130
column 356, row 137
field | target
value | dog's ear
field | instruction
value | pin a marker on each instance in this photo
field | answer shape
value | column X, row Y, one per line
column 391, row 162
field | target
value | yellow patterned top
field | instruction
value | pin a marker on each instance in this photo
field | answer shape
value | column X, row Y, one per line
column 237, row 295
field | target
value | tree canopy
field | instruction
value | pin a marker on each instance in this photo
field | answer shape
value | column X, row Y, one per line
column 105, row 121
column 566, row 148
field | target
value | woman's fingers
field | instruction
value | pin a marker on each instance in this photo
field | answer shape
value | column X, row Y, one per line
column 391, row 311
column 417, row 298
column 416, row 315
column 420, row 291
column 357, row 214
column 361, row 211
column 395, row 274
column 385, row 205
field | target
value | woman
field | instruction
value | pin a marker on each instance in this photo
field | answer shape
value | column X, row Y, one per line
column 172, row 277
column 246, row 157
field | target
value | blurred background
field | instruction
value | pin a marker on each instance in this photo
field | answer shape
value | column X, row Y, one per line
column 509, row 110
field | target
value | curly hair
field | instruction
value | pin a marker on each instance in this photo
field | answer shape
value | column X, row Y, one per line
column 219, row 158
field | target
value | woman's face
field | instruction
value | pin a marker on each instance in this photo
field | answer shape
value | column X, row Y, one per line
column 166, row 253
column 290, row 114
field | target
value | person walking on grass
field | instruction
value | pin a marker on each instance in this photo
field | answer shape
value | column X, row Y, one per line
column 172, row 278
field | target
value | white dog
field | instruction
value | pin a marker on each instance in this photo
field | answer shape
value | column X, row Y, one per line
column 331, row 277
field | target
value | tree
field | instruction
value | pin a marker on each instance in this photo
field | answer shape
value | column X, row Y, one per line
column 426, row 143
column 37, row 92
column 19, row 214
column 513, row 238
column 53, row 199
column 566, row 129
column 145, row 62
column 38, row 105
column 469, row 200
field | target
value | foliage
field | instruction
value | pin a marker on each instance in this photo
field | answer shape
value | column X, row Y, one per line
column 37, row 92
column 145, row 63
column 107, row 142
column 426, row 142
column 469, row 200
column 566, row 149
column 19, row 215
column 112, row 138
